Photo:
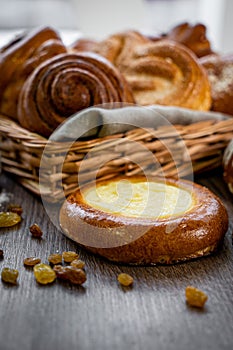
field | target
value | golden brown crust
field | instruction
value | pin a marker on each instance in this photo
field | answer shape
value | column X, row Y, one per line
column 192, row 36
column 148, row 241
column 167, row 73
column 82, row 44
column 119, row 48
column 66, row 84
column 19, row 58
column 220, row 73
column 161, row 72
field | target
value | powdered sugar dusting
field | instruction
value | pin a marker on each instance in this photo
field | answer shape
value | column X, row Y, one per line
column 223, row 82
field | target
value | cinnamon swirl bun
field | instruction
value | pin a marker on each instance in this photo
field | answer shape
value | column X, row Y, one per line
column 66, row 84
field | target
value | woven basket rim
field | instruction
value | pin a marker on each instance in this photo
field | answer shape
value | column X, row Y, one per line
column 22, row 149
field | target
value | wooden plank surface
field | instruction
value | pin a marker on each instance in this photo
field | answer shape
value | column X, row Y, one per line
column 101, row 315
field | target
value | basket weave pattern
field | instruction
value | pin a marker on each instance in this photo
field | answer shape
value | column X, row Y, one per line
column 21, row 153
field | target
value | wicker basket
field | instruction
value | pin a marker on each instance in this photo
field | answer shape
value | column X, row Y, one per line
column 21, row 153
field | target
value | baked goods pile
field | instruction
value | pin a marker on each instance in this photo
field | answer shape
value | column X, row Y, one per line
column 161, row 72
column 44, row 81
column 176, row 68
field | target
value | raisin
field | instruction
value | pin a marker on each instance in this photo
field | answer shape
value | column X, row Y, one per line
column 32, row 261
column 71, row 274
column 55, row 259
column 125, row 280
column 15, row 208
column 195, row 297
column 44, row 274
column 9, row 275
column 36, row 231
column 8, row 219
column 68, row 257
column 1, row 254
column 77, row 263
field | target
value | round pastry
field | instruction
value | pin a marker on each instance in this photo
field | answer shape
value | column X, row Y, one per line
column 19, row 58
column 167, row 73
column 228, row 166
column 220, row 73
column 66, row 84
column 140, row 220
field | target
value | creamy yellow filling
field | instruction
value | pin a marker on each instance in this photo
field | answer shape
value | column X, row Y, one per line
column 140, row 199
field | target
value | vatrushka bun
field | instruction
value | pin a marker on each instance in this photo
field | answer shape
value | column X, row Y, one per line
column 139, row 220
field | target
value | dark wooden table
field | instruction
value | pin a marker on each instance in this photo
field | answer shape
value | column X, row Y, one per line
column 101, row 315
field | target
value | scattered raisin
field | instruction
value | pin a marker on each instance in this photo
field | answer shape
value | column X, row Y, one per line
column 71, row 274
column 125, row 280
column 15, row 208
column 55, row 259
column 77, row 263
column 32, row 261
column 8, row 219
column 36, row 231
column 44, row 274
column 68, row 257
column 1, row 254
column 9, row 275
column 195, row 297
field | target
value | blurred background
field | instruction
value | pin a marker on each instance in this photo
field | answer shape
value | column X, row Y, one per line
column 99, row 18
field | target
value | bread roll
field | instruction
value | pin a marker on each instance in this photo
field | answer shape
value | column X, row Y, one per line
column 220, row 73
column 162, row 72
column 66, row 84
column 19, row 58
column 136, row 220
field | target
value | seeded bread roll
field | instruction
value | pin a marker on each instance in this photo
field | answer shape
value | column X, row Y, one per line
column 136, row 220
